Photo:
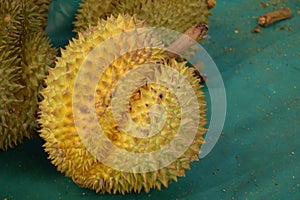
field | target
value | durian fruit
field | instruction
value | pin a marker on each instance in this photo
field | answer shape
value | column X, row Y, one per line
column 26, row 55
column 72, row 147
column 41, row 7
column 177, row 15
column 87, row 9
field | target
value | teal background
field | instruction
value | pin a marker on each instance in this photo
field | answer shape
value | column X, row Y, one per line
column 256, row 157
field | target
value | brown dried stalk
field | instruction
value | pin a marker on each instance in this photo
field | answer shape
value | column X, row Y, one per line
column 195, row 33
column 276, row 15
column 211, row 3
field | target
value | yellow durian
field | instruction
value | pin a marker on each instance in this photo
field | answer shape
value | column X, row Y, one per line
column 71, row 138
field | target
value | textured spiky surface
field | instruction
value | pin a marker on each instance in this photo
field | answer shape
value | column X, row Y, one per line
column 62, row 141
column 177, row 15
column 87, row 9
column 41, row 7
column 25, row 57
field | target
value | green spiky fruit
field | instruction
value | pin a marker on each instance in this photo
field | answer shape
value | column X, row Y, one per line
column 41, row 7
column 25, row 57
column 71, row 146
column 176, row 15
column 84, row 19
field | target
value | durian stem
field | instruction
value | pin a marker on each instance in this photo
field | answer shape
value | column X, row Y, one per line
column 276, row 15
column 195, row 33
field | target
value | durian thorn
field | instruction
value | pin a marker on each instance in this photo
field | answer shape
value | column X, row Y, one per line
column 195, row 33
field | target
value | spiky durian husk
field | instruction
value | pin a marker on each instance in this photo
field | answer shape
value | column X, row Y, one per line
column 25, row 56
column 41, row 7
column 103, row 9
column 177, row 15
column 62, row 141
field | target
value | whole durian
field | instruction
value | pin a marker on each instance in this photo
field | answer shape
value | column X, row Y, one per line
column 177, row 15
column 25, row 57
column 71, row 146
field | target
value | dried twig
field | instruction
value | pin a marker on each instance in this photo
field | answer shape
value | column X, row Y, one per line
column 276, row 15
column 255, row 30
column 211, row 3
column 195, row 33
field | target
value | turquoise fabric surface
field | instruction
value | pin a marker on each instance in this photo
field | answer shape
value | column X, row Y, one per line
column 256, row 157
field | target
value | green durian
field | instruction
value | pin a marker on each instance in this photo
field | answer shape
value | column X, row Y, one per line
column 63, row 142
column 177, row 15
column 41, row 7
column 26, row 55
column 87, row 9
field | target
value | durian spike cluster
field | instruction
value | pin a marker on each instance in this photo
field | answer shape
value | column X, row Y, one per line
column 177, row 15
column 71, row 146
column 41, row 8
column 26, row 55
